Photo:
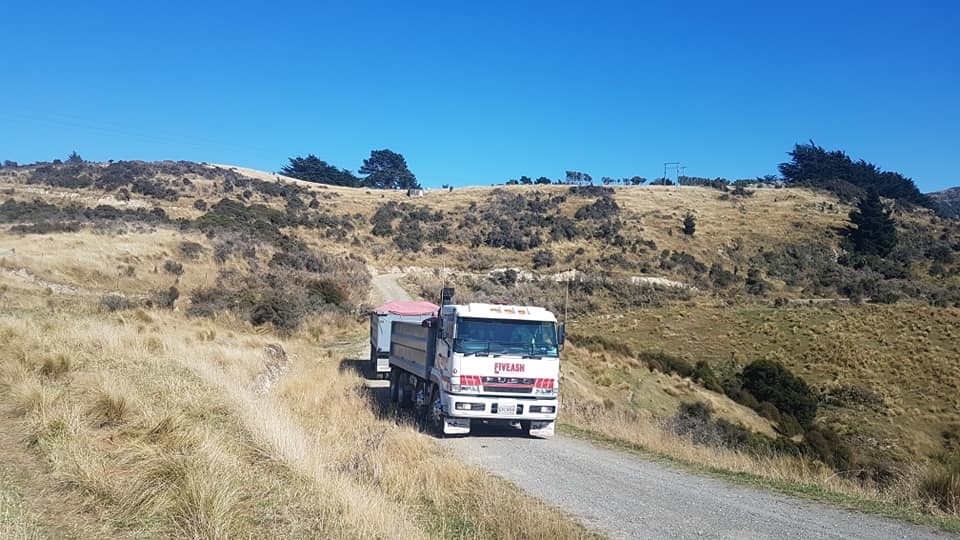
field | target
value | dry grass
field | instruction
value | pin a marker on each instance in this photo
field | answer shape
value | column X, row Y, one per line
column 147, row 424
column 614, row 423
column 906, row 354
column 16, row 521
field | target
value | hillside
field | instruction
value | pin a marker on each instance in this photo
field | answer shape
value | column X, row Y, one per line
column 161, row 257
column 947, row 202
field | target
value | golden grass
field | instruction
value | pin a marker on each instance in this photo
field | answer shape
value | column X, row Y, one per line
column 152, row 424
column 16, row 521
column 907, row 354
column 615, row 423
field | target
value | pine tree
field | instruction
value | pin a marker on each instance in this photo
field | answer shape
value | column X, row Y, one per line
column 875, row 232
column 689, row 224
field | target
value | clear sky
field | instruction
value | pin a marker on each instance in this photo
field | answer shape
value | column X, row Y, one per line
column 479, row 92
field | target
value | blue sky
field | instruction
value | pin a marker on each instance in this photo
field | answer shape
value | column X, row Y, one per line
column 479, row 92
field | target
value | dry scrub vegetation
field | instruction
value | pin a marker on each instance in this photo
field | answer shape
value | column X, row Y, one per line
column 145, row 423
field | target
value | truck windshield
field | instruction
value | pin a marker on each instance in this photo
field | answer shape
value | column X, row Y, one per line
column 487, row 336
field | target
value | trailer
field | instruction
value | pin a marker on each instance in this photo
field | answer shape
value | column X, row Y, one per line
column 381, row 320
column 490, row 363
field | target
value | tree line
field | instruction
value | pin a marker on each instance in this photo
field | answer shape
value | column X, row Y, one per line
column 384, row 169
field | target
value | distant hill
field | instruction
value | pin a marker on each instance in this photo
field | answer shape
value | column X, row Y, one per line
column 947, row 202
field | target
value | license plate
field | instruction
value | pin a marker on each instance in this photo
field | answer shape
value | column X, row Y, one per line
column 507, row 408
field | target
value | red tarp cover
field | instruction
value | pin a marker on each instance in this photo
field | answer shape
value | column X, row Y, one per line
column 399, row 307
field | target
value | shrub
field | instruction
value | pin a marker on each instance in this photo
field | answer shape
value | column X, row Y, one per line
column 164, row 298
column 788, row 426
column 543, row 259
column 667, row 363
column 114, row 302
column 200, row 204
column 721, row 278
column 173, row 267
column 47, row 227
column 689, row 224
column 284, row 311
column 770, row 381
column 769, row 411
column 704, row 374
column 190, row 250
column 824, row 444
column 755, row 283
column 325, row 291
column 603, row 208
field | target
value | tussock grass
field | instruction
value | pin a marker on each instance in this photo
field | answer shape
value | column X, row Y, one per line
column 149, row 425
column 914, row 494
column 16, row 521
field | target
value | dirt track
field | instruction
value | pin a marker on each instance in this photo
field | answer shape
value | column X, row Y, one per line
column 624, row 496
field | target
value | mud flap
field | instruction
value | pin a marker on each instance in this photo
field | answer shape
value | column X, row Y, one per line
column 542, row 429
column 456, row 426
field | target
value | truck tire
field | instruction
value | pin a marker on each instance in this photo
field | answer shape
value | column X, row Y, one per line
column 433, row 415
column 373, row 362
column 404, row 393
column 394, row 386
column 525, row 427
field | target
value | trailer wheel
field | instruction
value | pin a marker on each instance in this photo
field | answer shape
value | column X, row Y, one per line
column 394, row 386
column 434, row 413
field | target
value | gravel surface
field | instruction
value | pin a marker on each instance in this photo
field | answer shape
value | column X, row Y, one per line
column 385, row 288
column 625, row 496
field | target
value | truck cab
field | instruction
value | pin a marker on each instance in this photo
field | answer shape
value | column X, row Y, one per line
column 477, row 362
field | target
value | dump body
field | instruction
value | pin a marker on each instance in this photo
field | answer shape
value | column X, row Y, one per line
column 381, row 321
column 480, row 362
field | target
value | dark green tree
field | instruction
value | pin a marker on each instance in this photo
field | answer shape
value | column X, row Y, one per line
column 74, row 158
column 835, row 171
column 874, row 231
column 526, row 180
column 689, row 224
column 662, row 182
column 770, row 381
column 542, row 180
column 314, row 169
column 386, row 169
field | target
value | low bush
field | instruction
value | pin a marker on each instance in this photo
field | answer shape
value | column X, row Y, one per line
column 543, row 259
column 666, row 363
column 770, row 381
column 190, row 250
column 704, row 374
column 48, row 227
column 115, row 302
column 602, row 208
column 173, row 267
column 164, row 298
column 824, row 444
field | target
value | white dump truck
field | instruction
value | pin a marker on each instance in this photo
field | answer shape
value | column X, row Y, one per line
column 472, row 363
column 381, row 320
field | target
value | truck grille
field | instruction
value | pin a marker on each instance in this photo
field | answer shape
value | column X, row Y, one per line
column 512, row 385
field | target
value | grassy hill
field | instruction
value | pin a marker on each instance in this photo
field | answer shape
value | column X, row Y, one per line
column 120, row 279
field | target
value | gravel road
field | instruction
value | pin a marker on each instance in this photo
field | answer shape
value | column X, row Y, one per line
column 624, row 496
column 385, row 288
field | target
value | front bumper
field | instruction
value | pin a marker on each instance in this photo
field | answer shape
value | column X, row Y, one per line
column 528, row 409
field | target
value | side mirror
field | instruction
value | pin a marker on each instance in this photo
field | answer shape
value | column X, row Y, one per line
column 562, row 334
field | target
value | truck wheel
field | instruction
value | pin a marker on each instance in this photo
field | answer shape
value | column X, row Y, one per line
column 394, row 386
column 525, row 427
column 373, row 362
column 434, row 413
column 404, row 394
